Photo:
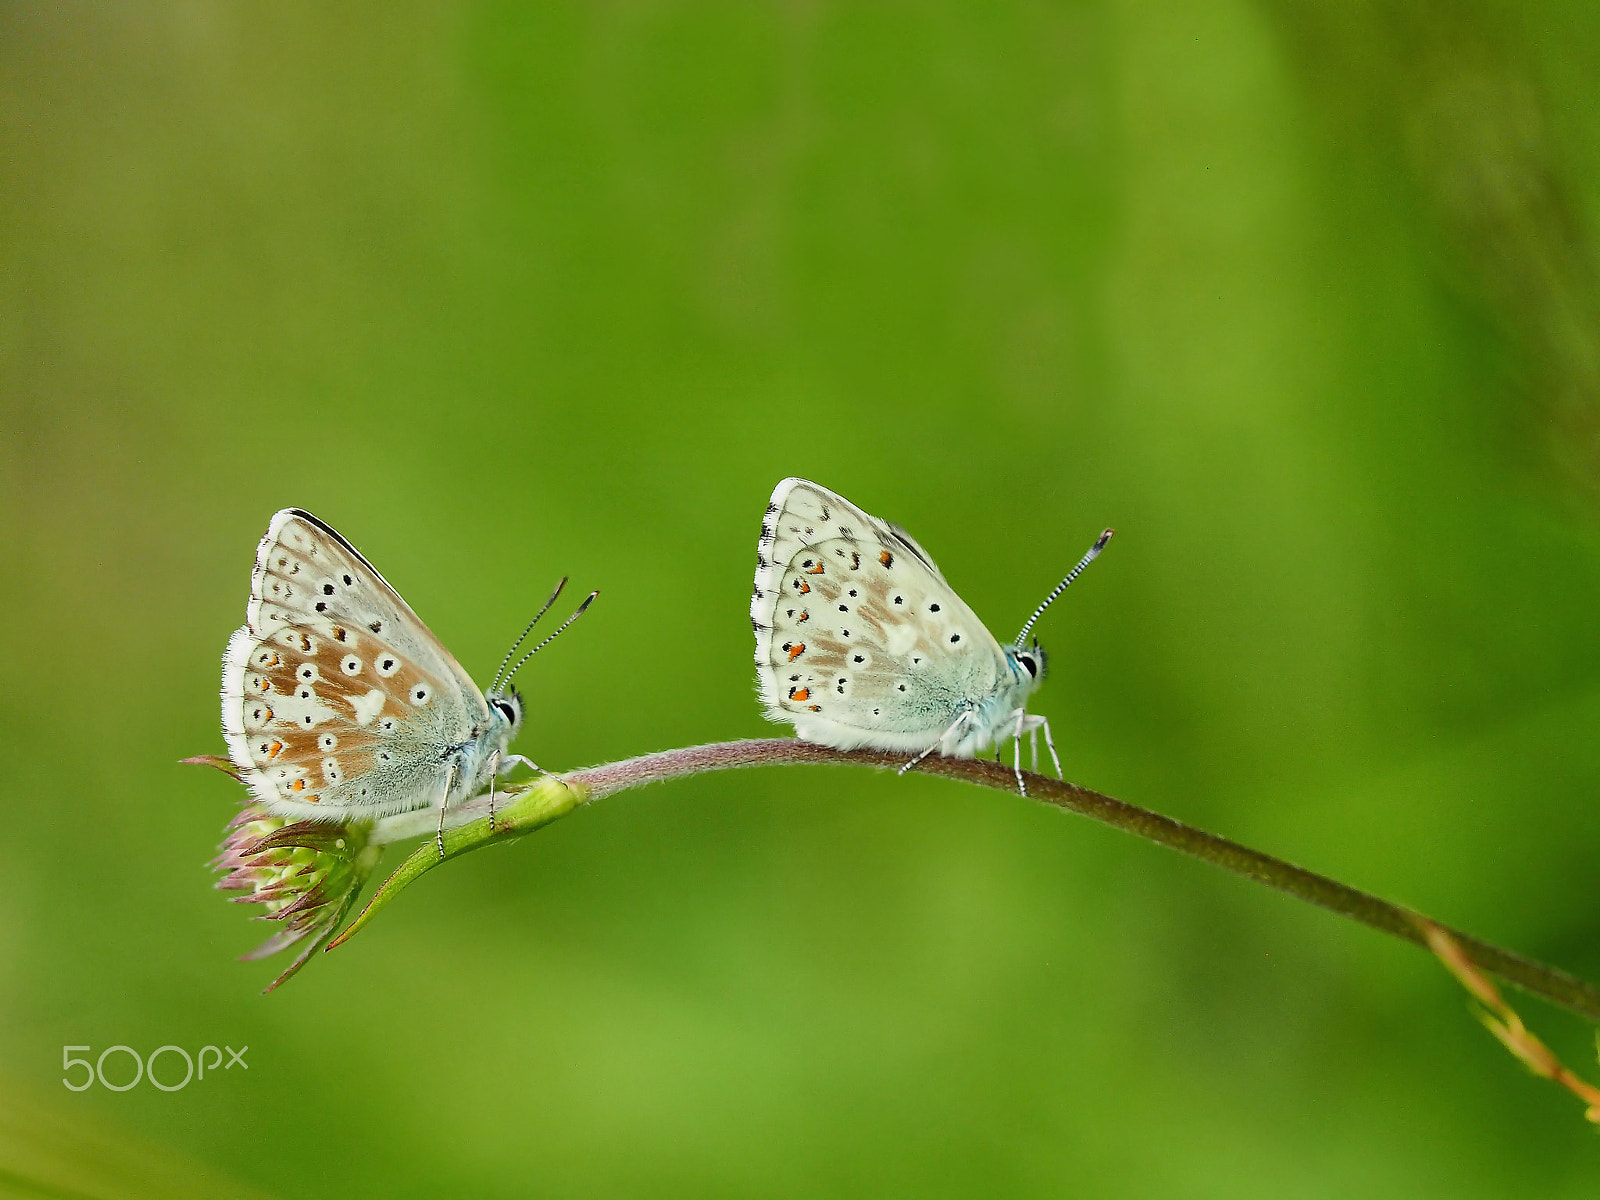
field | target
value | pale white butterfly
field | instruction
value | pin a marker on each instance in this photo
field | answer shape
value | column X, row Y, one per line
column 861, row 642
column 339, row 704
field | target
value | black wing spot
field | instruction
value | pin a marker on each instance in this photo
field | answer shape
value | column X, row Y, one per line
column 954, row 638
column 933, row 608
column 376, row 627
column 858, row 658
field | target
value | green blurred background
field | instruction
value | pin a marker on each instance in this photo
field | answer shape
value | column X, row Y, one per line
column 1299, row 298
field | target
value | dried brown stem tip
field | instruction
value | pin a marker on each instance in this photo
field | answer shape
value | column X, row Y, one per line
column 1503, row 1022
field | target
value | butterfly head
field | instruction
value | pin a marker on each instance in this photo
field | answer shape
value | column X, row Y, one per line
column 1027, row 664
column 505, row 711
column 1033, row 660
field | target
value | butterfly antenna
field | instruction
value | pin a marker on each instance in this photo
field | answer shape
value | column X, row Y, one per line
column 495, row 686
column 1094, row 553
column 582, row 608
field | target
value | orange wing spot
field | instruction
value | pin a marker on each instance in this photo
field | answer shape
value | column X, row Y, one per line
column 275, row 749
column 816, row 570
column 313, row 799
column 805, row 615
column 274, row 661
column 886, row 558
column 796, row 650
column 800, row 694
column 814, row 707
column 299, row 785
column 804, row 587
column 305, row 643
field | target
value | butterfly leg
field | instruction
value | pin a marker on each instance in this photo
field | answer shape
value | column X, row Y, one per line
column 955, row 725
column 1016, row 750
column 504, row 765
column 494, row 769
column 444, row 801
column 1050, row 745
column 512, row 760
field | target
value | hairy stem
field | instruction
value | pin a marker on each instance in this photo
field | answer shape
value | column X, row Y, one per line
column 592, row 783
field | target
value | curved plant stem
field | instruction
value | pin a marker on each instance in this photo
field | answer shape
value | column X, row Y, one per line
column 565, row 792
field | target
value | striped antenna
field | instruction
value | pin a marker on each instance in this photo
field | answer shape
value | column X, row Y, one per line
column 495, row 686
column 1094, row 553
column 582, row 608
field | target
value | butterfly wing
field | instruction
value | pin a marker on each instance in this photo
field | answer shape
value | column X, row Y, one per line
column 337, row 701
column 859, row 639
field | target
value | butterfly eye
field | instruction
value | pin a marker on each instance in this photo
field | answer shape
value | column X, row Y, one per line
column 505, row 709
column 1032, row 667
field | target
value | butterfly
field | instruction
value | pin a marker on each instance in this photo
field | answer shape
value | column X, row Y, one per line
column 860, row 642
column 338, row 704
